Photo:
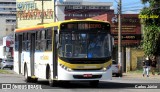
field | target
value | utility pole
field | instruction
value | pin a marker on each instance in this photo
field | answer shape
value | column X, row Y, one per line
column 55, row 11
column 42, row 15
column 119, row 38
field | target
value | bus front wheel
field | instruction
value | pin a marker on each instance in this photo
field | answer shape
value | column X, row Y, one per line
column 27, row 79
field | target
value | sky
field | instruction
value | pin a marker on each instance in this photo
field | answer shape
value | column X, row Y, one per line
column 128, row 6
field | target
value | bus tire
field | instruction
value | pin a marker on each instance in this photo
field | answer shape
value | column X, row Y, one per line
column 34, row 80
column 94, row 83
column 51, row 81
column 27, row 79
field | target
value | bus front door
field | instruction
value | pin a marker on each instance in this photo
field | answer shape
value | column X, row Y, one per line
column 32, row 51
column 20, row 53
column 55, row 40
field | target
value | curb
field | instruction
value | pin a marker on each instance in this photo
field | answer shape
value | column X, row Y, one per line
column 138, row 75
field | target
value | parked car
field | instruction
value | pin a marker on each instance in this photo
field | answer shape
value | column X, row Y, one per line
column 6, row 63
column 115, row 70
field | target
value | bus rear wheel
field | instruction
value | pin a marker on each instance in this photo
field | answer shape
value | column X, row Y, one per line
column 27, row 79
column 51, row 81
column 94, row 83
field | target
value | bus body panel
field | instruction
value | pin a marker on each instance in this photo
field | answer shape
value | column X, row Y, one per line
column 106, row 75
column 25, row 59
column 16, row 63
column 41, row 61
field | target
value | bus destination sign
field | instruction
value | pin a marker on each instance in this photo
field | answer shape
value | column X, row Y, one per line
column 85, row 26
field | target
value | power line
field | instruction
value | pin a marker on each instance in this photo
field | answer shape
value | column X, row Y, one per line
column 140, row 9
column 132, row 6
column 116, row 1
column 130, row 3
column 132, row 10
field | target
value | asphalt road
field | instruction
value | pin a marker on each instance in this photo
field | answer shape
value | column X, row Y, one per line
column 117, row 84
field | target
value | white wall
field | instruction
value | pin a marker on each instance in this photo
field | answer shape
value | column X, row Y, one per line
column 60, row 13
column 2, row 26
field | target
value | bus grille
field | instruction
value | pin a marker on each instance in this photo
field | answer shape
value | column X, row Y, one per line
column 82, row 77
column 86, row 69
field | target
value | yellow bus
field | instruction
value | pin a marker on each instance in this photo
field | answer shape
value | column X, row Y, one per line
column 71, row 50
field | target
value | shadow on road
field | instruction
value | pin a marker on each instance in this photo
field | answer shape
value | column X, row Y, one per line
column 85, row 85
column 78, row 85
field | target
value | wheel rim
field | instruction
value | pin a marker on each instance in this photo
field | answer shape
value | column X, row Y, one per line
column 49, row 77
column 25, row 74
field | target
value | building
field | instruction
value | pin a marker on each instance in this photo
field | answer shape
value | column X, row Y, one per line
column 80, row 9
column 7, row 17
column 131, row 28
column 6, row 47
column 29, row 12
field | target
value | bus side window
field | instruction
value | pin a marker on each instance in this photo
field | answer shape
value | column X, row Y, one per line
column 38, row 40
column 16, row 42
column 37, row 45
column 48, row 39
column 28, row 41
column 43, row 41
column 43, row 35
column 48, row 34
column 24, row 43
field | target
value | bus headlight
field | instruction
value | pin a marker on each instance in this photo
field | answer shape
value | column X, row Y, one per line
column 66, row 68
column 69, row 69
column 106, row 68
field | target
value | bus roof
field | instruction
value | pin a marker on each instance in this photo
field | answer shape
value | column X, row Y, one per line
column 49, row 25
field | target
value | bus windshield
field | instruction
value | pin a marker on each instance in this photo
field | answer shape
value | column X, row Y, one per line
column 84, row 45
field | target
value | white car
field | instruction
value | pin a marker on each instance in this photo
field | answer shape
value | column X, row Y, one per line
column 115, row 70
column 7, row 63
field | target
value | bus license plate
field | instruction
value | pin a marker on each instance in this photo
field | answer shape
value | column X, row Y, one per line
column 90, row 66
column 87, row 75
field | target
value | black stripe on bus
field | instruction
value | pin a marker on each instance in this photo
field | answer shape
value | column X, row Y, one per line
column 86, row 60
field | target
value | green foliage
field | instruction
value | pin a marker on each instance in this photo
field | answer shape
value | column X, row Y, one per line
column 4, row 72
column 151, row 27
column 151, row 36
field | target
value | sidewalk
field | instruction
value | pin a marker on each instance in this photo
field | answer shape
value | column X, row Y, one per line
column 139, row 75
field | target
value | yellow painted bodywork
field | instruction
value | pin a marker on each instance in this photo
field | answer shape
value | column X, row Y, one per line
column 51, row 25
column 85, row 66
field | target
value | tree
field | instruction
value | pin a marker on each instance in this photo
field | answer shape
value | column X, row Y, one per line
column 151, row 22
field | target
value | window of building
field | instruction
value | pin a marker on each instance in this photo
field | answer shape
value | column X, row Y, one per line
column 87, row 7
column 69, row 7
column 77, row 7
